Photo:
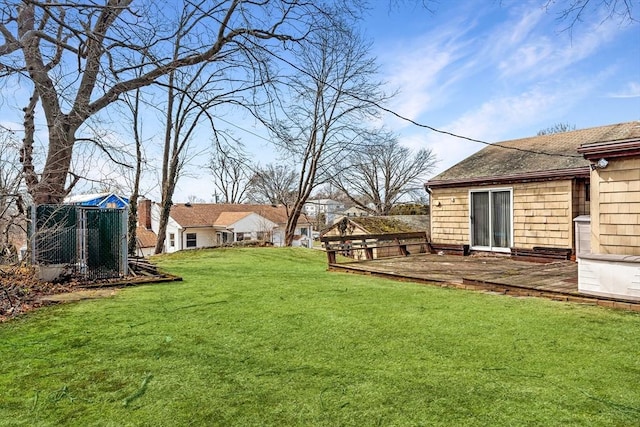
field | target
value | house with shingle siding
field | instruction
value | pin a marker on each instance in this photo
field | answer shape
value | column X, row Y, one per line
column 522, row 193
column 612, row 266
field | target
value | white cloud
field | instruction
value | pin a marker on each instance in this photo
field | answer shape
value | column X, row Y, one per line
column 421, row 69
column 631, row 90
column 537, row 54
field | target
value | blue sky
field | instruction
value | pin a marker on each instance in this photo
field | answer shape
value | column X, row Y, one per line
column 501, row 70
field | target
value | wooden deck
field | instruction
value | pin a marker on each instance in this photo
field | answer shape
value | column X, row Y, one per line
column 557, row 280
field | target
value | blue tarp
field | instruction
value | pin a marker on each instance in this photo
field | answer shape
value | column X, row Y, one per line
column 105, row 201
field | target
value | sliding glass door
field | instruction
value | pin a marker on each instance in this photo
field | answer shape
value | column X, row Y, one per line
column 491, row 220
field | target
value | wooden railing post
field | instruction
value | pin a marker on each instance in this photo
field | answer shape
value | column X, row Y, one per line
column 370, row 242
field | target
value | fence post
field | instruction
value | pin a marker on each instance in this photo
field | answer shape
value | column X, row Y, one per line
column 124, row 248
column 82, row 241
column 34, row 232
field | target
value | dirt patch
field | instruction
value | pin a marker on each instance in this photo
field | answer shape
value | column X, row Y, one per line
column 80, row 295
column 21, row 290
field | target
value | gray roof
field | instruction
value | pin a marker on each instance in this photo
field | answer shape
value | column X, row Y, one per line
column 555, row 152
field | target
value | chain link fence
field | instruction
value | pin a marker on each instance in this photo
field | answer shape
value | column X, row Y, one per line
column 82, row 241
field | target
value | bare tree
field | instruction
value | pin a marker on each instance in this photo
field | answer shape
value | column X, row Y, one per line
column 231, row 170
column 191, row 96
column 331, row 97
column 273, row 184
column 184, row 111
column 572, row 12
column 381, row 174
column 133, row 101
column 81, row 57
column 557, row 128
column 239, row 69
column 12, row 209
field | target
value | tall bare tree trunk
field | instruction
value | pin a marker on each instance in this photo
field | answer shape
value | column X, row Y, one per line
column 325, row 120
column 133, row 200
column 168, row 188
column 52, row 187
column 168, row 177
column 292, row 222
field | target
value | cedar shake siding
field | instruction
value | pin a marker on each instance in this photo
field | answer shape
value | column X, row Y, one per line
column 548, row 183
column 615, row 221
column 615, row 195
column 611, row 267
column 543, row 213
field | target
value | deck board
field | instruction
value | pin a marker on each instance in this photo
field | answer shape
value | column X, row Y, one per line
column 557, row 279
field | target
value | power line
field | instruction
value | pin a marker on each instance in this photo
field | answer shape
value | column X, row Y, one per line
column 243, row 129
column 404, row 118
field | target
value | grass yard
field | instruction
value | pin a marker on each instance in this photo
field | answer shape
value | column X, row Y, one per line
column 266, row 336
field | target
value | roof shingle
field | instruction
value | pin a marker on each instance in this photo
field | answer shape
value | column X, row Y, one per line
column 208, row 214
column 146, row 238
column 553, row 152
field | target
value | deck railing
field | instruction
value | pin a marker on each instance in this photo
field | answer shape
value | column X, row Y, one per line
column 372, row 246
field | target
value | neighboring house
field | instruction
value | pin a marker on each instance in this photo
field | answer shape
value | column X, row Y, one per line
column 523, row 193
column 199, row 225
column 146, row 241
column 376, row 225
column 327, row 207
column 100, row 200
column 612, row 266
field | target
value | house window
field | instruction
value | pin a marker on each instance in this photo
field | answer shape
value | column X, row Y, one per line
column 263, row 236
column 172, row 240
column 587, row 192
column 304, row 231
column 491, row 219
column 191, row 240
column 240, row 237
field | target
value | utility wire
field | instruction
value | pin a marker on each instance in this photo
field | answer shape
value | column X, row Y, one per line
column 406, row 119
column 243, row 129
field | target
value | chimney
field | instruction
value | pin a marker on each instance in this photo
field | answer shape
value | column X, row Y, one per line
column 144, row 213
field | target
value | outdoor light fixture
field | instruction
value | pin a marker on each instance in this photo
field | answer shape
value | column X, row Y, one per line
column 600, row 164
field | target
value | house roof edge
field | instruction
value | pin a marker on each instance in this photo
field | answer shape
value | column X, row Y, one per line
column 623, row 148
column 581, row 172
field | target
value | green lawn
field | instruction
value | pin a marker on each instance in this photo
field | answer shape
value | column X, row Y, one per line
column 266, row 336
